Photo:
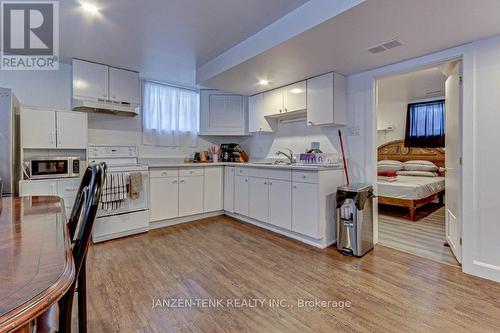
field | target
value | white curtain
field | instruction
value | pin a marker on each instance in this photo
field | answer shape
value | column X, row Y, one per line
column 169, row 115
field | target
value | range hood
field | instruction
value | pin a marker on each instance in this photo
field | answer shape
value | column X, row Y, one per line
column 105, row 106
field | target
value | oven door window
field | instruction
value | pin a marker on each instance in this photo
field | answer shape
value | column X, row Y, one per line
column 47, row 168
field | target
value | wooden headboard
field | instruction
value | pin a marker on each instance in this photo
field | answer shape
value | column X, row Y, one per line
column 396, row 150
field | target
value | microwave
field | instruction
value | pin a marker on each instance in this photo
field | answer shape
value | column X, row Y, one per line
column 53, row 167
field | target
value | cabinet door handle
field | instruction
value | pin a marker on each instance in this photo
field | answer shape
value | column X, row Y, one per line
column 265, row 183
column 310, row 122
column 304, row 176
column 164, row 173
column 182, row 181
column 270, row 183
column 71, row 189
column 281, row 111
column 174, row 182
column 295, row 186
column 246, row 179
column 286, row 110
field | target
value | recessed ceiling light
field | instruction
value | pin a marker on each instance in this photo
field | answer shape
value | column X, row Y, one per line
column 263, row 82
column 89, row 7
column 296, row 91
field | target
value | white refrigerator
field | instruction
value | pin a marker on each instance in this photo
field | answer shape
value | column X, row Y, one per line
column 10, row 146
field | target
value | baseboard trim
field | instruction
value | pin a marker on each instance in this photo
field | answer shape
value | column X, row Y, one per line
column 319, row 243
column 183, row 219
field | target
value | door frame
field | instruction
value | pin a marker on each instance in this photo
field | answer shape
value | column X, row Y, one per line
column 466, row 194
column 375, row 150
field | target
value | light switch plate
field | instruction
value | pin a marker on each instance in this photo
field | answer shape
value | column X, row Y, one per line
column 353, row 131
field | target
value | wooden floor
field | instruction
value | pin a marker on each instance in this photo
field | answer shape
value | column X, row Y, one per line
column 220, row 258
column 425, row 237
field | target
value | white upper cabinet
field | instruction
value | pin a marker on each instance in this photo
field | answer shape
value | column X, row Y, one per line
column 326, row 100
column 38, row 128
column 295, row 97
column 42, row 129
column 90, row 80
column 124, row 86
column 71, row 130
column 223, row 113
column 273, row 101
column 257, row 122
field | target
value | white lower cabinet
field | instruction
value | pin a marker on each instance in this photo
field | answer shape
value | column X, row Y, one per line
column 280, row 203
column 258, row 203
column 213, row 198
column 67, row 189
column 305, row 209
column 190, row 195
column 229, row 189
column 164, row 198
column 38, row 187
column 241, row 195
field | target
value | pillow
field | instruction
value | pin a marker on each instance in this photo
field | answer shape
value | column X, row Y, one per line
column 417, row 173
column 419, row 165
column 389, row 165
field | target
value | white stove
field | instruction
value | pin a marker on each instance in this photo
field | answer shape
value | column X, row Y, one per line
column 132, row 216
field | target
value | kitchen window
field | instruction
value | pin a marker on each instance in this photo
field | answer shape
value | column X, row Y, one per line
column 170, row 115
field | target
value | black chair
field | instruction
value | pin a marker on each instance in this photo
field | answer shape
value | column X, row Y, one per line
column 80, row 226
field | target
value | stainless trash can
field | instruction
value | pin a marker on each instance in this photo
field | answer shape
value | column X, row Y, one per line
column 355, row 219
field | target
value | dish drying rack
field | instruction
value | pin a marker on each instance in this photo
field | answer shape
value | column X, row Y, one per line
column 318, row 159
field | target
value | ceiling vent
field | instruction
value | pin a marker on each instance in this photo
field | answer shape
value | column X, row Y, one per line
column 385, row 46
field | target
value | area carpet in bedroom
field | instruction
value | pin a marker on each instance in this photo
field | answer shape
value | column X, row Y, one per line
column 425, row 237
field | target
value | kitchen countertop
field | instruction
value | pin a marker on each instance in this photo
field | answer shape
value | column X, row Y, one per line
column 168, row 163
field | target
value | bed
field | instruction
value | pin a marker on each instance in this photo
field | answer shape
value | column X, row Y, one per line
column 411, row 192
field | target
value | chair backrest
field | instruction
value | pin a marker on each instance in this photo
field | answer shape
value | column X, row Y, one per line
column 80, row 226
column 76, row 212
column 88, row 198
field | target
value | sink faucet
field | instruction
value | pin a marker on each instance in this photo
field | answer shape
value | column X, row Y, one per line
column 289, row 156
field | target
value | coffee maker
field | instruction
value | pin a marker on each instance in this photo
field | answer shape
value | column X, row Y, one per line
column 230, row 152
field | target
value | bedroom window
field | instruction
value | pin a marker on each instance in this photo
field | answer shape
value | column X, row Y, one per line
column 425, row 124
column 170, row 115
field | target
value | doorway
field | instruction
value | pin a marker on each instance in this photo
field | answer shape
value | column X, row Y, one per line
column 418, row 117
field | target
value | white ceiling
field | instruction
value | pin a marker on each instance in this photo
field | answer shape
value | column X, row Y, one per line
column 341, row 43
column 165, row 40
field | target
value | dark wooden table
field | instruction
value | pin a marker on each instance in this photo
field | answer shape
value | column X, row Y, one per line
column 36, row 264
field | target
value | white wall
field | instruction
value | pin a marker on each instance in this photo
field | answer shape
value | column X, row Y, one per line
column 395, row 92
column 296, row 136
column 481, row 179
column 40, row 89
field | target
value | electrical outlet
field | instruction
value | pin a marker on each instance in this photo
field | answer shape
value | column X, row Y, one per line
column 353, row 131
